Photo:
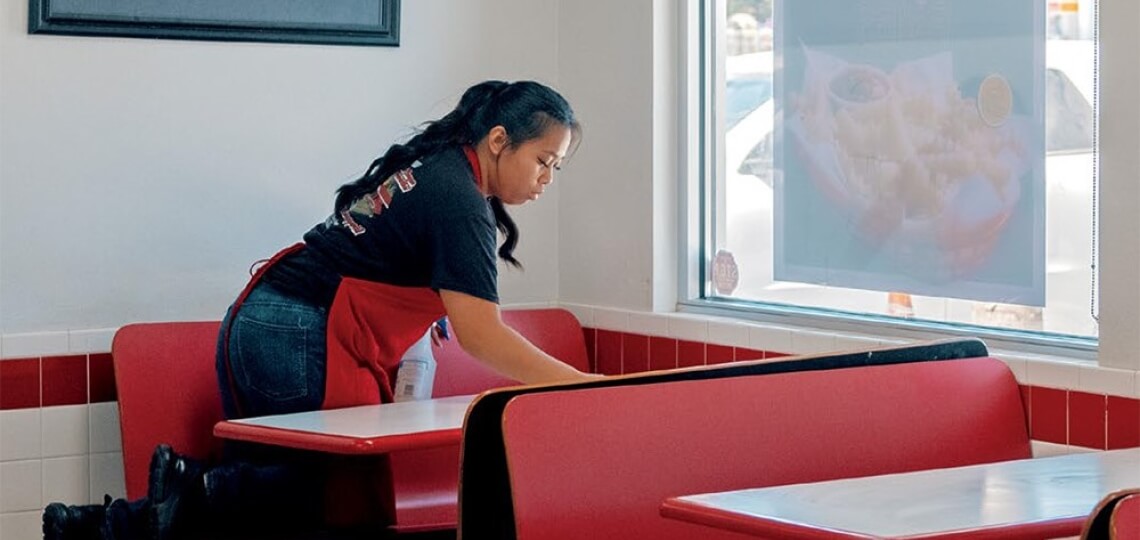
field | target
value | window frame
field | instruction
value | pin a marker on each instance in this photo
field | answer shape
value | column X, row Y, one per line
column 698, row 166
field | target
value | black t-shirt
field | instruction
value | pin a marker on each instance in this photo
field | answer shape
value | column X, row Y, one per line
column 425, row 226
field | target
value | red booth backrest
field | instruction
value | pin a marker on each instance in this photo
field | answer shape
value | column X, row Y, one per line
column 598, row 462
column 1125, row 520
column 426, row 481
column 168, row 393
column 1115, row 517
column 555, row 331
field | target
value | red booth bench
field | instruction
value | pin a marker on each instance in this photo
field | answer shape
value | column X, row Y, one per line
column 597, row 460
column 168, row 393
column 1116, row 517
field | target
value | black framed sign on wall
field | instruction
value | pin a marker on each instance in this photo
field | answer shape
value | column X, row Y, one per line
column 332, row 22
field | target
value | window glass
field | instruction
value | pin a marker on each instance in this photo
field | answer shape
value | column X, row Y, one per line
column 752, row 110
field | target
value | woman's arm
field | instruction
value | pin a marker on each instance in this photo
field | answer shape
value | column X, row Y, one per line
column 481, row 332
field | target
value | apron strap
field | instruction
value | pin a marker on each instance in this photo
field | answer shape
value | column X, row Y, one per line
column 253, row 281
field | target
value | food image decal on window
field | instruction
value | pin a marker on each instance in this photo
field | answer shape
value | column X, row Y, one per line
column 912, row 147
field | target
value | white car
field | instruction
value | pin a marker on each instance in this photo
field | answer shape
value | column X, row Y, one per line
column 749, row 111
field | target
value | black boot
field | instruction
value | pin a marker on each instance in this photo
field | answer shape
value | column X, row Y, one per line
column 277, row 500
column 175, row 490
column 125, row 520
column 62, row 522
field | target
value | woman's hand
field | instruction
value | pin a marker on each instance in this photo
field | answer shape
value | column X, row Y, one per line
column 479, row 329
column 439, row 332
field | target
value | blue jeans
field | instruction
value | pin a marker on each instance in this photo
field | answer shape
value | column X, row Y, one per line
column 277, row 355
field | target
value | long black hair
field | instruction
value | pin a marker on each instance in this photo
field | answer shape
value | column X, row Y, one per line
column 525, row 109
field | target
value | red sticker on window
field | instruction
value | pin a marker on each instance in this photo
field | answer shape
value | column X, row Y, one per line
column 725, row 275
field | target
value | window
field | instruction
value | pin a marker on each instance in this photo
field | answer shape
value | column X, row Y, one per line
column 782, row 234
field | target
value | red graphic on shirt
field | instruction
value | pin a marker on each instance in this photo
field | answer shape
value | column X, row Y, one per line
column 384, row 194
column 374, row 203
column 356, row 228
column 405, row 179
column 382, row 198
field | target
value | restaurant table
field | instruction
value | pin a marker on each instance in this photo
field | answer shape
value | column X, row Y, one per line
column 1031, row 498
column 368, row 429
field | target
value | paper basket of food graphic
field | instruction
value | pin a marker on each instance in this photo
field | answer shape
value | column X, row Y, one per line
column 927, row 177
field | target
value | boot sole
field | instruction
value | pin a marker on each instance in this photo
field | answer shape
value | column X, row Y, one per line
column 54, row 516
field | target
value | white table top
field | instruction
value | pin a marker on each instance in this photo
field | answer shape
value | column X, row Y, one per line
column 364, row 429
column 1054, row 493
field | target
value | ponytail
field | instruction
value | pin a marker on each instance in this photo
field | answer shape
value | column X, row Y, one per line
column 525, row 109
column 453, row 129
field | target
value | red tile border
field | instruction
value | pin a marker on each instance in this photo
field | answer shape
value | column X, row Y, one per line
column 1123, row 422
column 608, row 350
column 690, row 353
column 64, row 380
column 742, row 353
column 1026, row 401
column 590, row 335
column 102, row 378
column 1087, row 420
column 1049, row 415
column 634, row 353
column 1052, row 415
column 719, row 354
column 19, row 383
column 662, row 353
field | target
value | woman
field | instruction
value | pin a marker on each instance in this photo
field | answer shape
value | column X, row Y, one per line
column 324, row 323
column 412, row 240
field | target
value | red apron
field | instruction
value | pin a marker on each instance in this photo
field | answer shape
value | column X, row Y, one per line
column 370, row 325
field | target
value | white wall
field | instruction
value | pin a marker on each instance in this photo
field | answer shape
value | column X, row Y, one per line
column 1119, row 190
column 606, row 64
column 139, row 179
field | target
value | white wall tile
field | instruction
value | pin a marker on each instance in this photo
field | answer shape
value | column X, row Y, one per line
column 611, row 319
column 90, row 341
column 20, row 434
column 1082, row 450
column 105, row 433
column 650, row 324
column 34, row 344
column 585, row 314
column 21, row 526
column 730, row 333
column 1052, row 374
column 1017, row 365
column 529, row 305
column 812, row 342
column 770, row 338
column 65, row 431
column 894, row 342
column 1098, row 380
column 20, row 486
column 845, row 342
column 1046, row 449
column 107, row 477
column 689, row 328
column 66, row 480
